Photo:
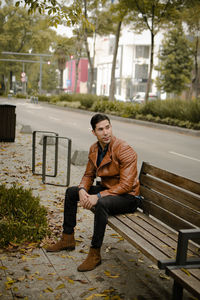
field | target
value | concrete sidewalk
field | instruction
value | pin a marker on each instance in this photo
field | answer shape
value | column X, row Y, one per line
column 35, row 274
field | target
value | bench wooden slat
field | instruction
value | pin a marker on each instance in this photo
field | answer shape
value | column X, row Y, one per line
column 168, row 237
column 162, row 214
column 195, row 273
column 192, row 283
column 156, row 241
column 184, row 197
column 169, row 204
column 154, row 224
column 180, row 181
column 136, row 240
column 156, row 231
column 167, row 233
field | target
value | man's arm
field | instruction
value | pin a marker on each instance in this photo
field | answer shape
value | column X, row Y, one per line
column 86, row 200
column 88, row 177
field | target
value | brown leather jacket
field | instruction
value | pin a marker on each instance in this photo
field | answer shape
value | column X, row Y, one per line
column 118, row 169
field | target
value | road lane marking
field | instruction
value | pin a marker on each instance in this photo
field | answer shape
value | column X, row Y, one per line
column 53, row 118
column 185, row 156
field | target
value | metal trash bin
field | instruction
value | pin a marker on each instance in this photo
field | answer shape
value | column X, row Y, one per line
column 7, row 123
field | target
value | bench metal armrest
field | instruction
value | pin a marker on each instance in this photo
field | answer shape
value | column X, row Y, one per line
column 181, row 256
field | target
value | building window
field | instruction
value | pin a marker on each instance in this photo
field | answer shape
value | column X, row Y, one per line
column 142, row 51
column 111, row 46
column 138, row 88
column 141, row 71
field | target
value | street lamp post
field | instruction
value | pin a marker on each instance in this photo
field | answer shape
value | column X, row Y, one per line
column 23, row 61
column 40, row 83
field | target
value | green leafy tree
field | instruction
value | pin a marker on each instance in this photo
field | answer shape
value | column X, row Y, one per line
column 64, row 48
column 93, row 24
column 193, row 26
column 70, row 12
column 23, row 33
column 96, row 21
column 152, row 15
column 175, row 62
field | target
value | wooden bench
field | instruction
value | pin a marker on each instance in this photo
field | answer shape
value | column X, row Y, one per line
column 166, row 228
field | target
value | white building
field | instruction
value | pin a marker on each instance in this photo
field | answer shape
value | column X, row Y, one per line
column 132, row 65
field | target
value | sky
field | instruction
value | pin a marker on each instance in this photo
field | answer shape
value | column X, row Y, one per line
column 63, row 30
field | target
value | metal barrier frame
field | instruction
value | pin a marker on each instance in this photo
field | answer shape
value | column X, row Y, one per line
column 34, row 150
column 68, row 159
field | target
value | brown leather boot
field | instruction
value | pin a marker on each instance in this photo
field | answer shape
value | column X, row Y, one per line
column 67, row 242
column 92, row 261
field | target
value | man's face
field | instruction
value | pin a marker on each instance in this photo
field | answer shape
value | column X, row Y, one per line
column 103, row 132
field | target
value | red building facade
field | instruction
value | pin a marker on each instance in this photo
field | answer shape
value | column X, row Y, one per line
column 69, row 75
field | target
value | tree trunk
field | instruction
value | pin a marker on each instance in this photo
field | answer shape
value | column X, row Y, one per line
column 91, row 65
column 151, row 68
column 195, row 79
column 61, row 80
column 76, row 75
column 196, row 68
column 112, row 81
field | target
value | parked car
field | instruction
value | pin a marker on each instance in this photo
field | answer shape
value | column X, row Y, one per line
column 140, row 97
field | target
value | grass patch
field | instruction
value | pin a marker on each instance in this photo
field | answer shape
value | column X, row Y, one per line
column 22, row 218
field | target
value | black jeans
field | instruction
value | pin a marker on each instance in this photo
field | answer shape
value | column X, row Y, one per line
column 108, row 205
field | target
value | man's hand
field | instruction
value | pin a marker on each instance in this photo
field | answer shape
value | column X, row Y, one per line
column 87, row 201
column 83, row 195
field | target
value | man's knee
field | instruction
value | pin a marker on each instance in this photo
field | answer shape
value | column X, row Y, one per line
column 72, row 192
column 102, row 204
column 72, row 189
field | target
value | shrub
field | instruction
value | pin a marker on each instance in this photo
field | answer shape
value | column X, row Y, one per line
column 122, row 109
column 65, row 97
column 22, row 218
column 173, row 108
column 44, row 98
column 87, row 100
column 22, row 96
column 54, row 99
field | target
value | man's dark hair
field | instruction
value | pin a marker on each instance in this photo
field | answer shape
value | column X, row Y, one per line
column 98, row 118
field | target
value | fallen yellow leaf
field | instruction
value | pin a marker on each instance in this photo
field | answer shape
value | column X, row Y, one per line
column 60, row 286
column 69, row 256
column 107, row 273
column 95, row 295
column 163, row 276
column 186, row 271
column 92, row 289
column 21, row 278
column 48, row 290
column 69, row 279
column 153, row 267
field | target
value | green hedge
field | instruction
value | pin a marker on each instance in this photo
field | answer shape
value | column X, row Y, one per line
column 22, row 218
column 174, row 108
column 171, row 112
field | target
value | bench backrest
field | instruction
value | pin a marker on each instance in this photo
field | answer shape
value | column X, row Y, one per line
column 173, row 199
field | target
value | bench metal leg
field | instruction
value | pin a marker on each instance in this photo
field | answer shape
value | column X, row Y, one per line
column 177, row 291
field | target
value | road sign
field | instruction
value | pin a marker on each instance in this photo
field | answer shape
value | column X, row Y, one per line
column 23, row 74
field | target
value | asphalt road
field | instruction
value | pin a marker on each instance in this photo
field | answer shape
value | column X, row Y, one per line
column 175, row 152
